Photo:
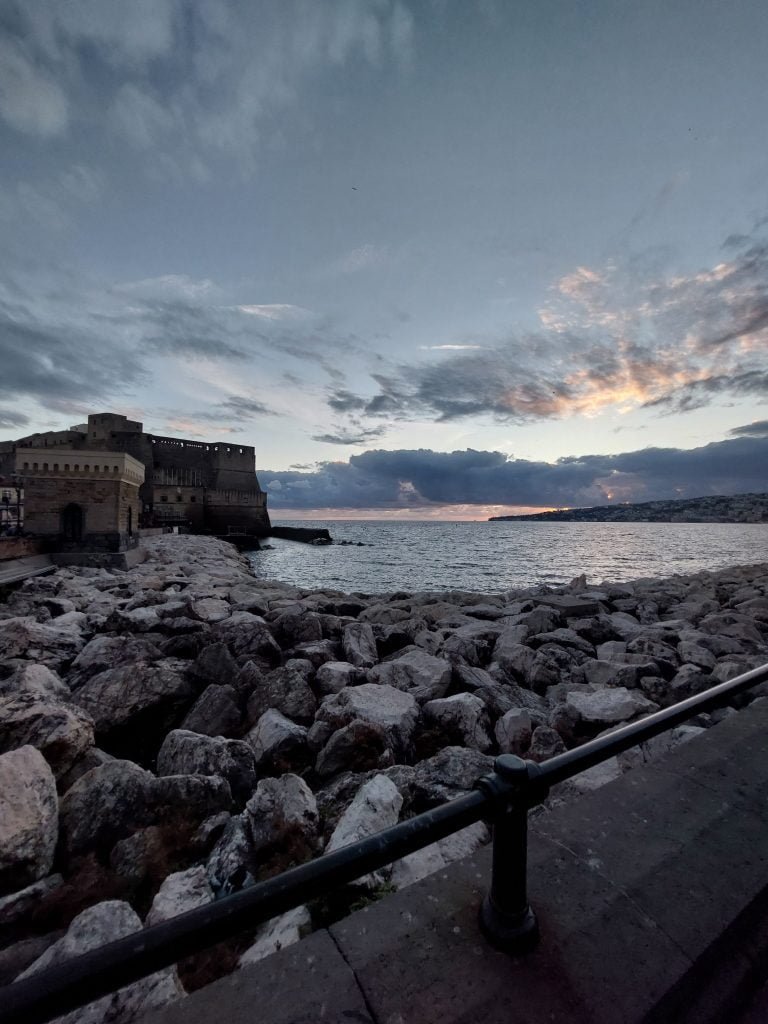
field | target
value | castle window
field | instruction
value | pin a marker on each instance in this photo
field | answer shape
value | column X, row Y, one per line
column 178, row 497
column 26, row 465
column 192, row 497
column 116, row 469
column 66, row 467
column 34, row 467
column 163, row 497
column 56, row 466
column 45, row 467
column 77, row 468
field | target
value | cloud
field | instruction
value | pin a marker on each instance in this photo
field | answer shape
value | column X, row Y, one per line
column 398, row 479
column 364, row 257
column 10, row 418
column 351, row 436
column 30, row 99
column 618, row 337
column 184, row 83
column 757, row 429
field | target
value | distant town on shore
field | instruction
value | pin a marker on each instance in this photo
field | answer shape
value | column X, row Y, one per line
column 719, row 508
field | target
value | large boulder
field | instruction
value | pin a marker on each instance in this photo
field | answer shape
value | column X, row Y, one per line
column 380, row 706
column 36, row 680
column 91, row 929
column 215, row 712
column 333, row 676
column 180, row 892
column 285, row 689
column 248, row 639
column 282, row 818
column 416, row 672
column 29, row 813
column 359, row 645
column 376, row 806
column 51, row 646
column 450, row 773
column 133, row 706
column 461, row 719
column 513, row 732
column 609, row 706
column 231, row 864
column 214, row 664
column 278, row 743
column 61, row 732
column 358, row 746
column 189, row 753
column 106, row 804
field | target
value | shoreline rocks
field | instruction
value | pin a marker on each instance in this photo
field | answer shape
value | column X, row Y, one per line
column 175, row 732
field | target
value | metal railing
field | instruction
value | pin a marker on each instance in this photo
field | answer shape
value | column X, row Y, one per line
column 506, row 919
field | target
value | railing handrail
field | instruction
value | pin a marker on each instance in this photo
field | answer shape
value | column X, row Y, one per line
column 65, row 986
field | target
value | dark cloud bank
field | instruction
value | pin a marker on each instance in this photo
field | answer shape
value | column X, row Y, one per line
column 403, row 479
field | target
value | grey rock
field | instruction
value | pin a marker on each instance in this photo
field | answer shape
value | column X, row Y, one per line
column 95, row 927
column 379, row 706
column 358, row 746
column 214, row 713
column 513, row 732
column 333, row 676
column 188, row 753
column 215, row 665
column 117, row 696
column 545, row 743
column 359, row 645
column 51, row 646
column 448, row 774
column 418, row 673
column 282, row 815
column 231, row 864
column 463, row 719
column 248, row 639
column 61, row 732
column 36, row 680
column 284, row 689
column 276, row 740
column 693, row 654
column 28, row 818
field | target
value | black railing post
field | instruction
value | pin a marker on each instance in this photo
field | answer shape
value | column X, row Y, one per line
column 506, row 917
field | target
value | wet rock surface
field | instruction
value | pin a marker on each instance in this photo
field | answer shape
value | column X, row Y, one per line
column 176, row 732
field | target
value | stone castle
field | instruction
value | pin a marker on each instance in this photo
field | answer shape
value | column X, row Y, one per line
column 205, row 487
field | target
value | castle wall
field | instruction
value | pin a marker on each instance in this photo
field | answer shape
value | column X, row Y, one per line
column 103, row 486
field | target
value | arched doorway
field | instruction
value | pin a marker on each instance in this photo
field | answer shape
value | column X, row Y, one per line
column 72, row 522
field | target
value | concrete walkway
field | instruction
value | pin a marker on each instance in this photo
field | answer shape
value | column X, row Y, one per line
column 652, row 896
column 14, row 570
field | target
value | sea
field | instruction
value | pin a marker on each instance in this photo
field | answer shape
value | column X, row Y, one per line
column 493, row 557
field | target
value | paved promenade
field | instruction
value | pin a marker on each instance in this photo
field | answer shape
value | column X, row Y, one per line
column 652, row 895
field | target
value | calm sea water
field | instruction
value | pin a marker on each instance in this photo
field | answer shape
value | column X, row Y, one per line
column 493, row 557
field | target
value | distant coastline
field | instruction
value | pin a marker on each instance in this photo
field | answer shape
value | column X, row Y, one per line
column 735, row 508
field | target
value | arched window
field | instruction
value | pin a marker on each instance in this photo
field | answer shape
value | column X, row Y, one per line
column 34, row 467
column 72, row 522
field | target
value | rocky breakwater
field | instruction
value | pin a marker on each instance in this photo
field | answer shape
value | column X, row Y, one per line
column 171, row 734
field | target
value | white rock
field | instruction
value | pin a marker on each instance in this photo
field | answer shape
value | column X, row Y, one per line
column 417, row 673
column 210, row 609
column 613, row 705
column 463, row 715
column 277, row 934
column 376, row 806
column 29, row 818
column 433, row 858
column 37, row 680
column 513, row 732
column 94, row 927
column 180, row 892
column 378, row 705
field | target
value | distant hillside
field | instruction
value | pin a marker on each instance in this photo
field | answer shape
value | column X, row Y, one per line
column 735, row 508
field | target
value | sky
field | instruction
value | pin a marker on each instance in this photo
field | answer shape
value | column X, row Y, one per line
column 432, row 258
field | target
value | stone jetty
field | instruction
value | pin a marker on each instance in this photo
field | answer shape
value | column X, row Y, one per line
column 172, row 733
